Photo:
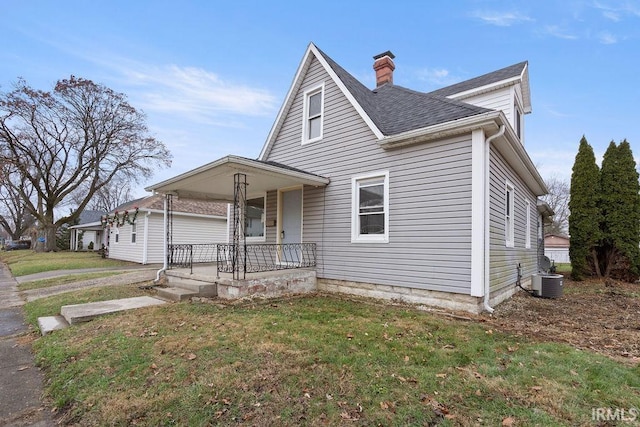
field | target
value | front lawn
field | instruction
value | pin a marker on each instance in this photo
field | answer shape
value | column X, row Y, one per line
column 316, row 360
column 22, row 263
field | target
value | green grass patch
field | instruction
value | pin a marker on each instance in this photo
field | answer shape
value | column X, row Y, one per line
column 317, row 360
column 563, row 268
column 27, row 262
column 63, row 280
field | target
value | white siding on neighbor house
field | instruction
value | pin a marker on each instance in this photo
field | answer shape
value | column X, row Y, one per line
column 557, row 255
column 186, row 229
column 429, row 191
column 124, row 249
column 504, row 260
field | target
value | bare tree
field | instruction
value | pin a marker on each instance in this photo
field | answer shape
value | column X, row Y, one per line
column 15, row 217
column 558, row 200
column 107, row 198
column 76, row 138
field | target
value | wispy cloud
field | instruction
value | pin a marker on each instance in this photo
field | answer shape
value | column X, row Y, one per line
column 606, row 37
column 194, row 91
column 561, row 33
column 501, row 19
column 437, row 76
column 617, row 12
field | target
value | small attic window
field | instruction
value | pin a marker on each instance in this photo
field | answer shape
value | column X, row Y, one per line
column 313, row 113
column 517, row 119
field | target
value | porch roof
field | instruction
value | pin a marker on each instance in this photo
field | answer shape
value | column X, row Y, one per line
column 214, row 181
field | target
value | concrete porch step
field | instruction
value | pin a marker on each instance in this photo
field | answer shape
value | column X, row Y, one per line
column 176, row 294
column 84, row 312
column 200, row 288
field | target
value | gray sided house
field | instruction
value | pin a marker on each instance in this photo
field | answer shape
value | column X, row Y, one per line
column 89, row 232
column 424, row 197
column 141, row 239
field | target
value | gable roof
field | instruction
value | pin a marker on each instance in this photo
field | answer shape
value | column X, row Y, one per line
column 89, row 216
column 156, row 203
column 503, row 77
column 384, row 109
column 388, row 104
column 398, row 116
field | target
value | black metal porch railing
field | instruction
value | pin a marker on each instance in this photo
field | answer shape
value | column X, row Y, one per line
column 250, row 258
column 255, row 258
column 184, row 255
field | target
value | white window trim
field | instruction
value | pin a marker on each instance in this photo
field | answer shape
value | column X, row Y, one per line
column 134, row 232
column 509, row 220
column 305, row 109
column 527, row 234
column 356, row 237
column 262, row 238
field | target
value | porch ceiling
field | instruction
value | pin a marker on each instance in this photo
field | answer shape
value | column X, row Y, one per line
column 214, row 181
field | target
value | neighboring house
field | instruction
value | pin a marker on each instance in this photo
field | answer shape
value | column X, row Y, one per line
column 141, row 238
column 88, row 232
column 422, row 197
column 556, row 248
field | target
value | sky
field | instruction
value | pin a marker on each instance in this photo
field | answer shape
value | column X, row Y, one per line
column 211, row 75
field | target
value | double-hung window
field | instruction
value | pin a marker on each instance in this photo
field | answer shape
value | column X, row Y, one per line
column 313, row 114
column 370, row 208
column 133, row 232
column 509, row 215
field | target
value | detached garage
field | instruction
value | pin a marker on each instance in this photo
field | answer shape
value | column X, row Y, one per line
column 556, row 248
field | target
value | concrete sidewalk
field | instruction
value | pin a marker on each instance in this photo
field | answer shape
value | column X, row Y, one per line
column 20, row 380
column 60, row 273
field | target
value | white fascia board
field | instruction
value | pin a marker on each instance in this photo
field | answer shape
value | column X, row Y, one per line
column 346, row 93
column 486, row 88
column 526, row 89
column 288, row 100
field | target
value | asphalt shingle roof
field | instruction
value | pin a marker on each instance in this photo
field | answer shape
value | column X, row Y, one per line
column 486, row 79
column 395, row 109
column 156, row 202
column 89, row 216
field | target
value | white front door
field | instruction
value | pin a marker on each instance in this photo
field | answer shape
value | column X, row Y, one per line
column 291, row 225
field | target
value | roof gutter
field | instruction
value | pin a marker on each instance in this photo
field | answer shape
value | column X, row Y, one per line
column 442, row 130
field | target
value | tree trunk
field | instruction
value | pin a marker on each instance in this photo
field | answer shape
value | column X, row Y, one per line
column 596, row 263
column 48, row 233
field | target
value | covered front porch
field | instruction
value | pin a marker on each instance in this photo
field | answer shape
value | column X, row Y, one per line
column 265, row 219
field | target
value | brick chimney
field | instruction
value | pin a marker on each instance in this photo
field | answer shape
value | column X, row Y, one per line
column 384, row 67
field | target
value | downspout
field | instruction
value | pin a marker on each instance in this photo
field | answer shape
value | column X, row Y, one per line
column 487, row 222
column 165, row 253
column 145, row 241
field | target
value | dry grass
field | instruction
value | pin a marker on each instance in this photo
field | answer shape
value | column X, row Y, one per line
column 319, row 360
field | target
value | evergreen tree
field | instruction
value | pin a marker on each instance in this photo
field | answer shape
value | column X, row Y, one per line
column 620, row 209
column 584, row 219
